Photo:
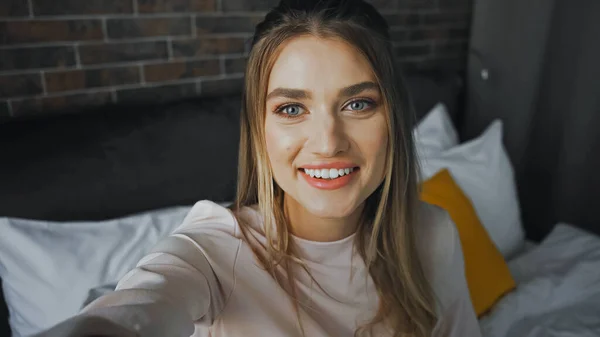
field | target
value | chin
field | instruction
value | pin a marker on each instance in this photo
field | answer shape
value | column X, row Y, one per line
column 330, row 208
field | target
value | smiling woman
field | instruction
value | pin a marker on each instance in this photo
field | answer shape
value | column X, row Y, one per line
column 326, row 236
column 318, row 122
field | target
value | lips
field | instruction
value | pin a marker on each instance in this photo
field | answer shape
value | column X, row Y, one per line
column 327, row 177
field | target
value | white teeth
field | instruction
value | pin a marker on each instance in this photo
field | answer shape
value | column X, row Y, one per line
column 328, row 173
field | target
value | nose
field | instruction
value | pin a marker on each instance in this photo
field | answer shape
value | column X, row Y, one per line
column 327, row 136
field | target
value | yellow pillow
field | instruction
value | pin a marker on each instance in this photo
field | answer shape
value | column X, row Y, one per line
column 488, row 276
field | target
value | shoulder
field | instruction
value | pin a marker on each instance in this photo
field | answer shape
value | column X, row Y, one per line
column 208, row 227
column 209, row 217
column 436, row 234
column 438, row 245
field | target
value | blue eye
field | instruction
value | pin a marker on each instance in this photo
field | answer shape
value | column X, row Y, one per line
column 358, row 105
column 291, row 110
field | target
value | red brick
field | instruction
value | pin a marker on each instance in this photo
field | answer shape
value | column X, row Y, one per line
column 36, row 57
column 20, row 85
column 208, row 46
column 13, row 8
column 81, row 7
column 123, row 52
column 93, row 78
column 249, row 5
column 181, row 6
column 236, row 65
column 14, row 32
column 227, row 24
column 181, row 70
column 147, row 27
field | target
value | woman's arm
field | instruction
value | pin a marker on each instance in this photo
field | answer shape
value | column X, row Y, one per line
column 172, row 287
column 152, row 300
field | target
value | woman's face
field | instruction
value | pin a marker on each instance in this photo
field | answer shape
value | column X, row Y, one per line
column 325, row 127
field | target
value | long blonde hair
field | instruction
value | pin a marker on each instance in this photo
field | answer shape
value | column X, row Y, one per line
column 385, row 238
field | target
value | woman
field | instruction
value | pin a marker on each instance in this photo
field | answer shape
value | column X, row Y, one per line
column 327, row 236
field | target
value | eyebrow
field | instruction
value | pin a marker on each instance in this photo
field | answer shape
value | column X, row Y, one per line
column 289, row 93
column 356, row 89
column 352, row 90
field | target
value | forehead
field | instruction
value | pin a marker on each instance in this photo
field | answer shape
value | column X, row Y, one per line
column 313, row 63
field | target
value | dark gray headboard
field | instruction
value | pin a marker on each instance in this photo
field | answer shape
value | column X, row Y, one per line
column 534, row 64
column 119, row 160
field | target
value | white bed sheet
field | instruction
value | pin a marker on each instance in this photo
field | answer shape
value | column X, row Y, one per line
column 558, row 292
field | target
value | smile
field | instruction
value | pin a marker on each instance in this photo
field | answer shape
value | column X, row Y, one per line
column 328, row 178
column 328, row 173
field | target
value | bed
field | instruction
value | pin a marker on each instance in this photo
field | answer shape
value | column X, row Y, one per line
column 84, row 195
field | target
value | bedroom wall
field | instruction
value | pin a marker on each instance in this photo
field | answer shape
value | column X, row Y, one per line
column 69, row 53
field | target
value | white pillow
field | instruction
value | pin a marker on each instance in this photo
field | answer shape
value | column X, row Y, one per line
column 482, row 169
column 435, row 132
column 48, row 268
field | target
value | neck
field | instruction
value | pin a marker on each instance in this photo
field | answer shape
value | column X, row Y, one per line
column 306, row 225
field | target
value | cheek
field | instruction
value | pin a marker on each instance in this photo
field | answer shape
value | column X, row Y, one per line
column 280, row 143
column 375, row 145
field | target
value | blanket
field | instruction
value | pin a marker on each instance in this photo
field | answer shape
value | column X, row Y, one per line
column 558, row 292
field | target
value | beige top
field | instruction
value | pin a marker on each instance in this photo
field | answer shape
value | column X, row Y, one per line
column 203, row 280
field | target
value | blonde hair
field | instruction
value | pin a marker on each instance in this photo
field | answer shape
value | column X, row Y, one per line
column 385, row 237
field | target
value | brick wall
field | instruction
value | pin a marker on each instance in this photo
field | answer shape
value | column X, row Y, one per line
column 57, row 54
